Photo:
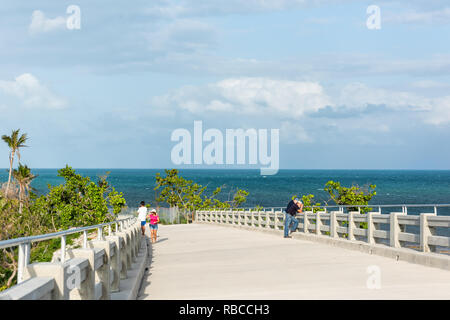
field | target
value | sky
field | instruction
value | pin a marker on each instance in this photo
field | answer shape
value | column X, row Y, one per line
column 110, row 94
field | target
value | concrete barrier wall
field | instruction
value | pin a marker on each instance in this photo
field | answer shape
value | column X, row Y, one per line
column 385, row 234
column 110, row 267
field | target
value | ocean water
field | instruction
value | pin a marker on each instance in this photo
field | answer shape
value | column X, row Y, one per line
column 392, row 186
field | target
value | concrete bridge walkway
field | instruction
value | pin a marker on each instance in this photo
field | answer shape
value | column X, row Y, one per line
column 200, row 261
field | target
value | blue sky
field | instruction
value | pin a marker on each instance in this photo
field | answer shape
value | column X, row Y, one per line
column 343, row 96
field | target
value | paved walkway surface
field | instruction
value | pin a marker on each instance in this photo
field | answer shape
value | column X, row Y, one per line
column 201, row 261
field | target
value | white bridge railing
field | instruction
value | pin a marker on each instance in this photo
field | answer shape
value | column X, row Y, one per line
column 389, row 229
column 92, row 272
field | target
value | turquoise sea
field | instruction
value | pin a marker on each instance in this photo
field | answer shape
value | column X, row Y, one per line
column 393, row 186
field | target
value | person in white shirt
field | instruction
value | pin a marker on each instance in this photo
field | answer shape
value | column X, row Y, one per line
column 142, row 216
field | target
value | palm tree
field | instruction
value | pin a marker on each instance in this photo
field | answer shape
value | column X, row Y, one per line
column 23, row 176
column 14, row 142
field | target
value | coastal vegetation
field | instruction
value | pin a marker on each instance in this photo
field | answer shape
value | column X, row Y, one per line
column 188, row 196
column 354, row 195
column 77, row 202
column 339, row 195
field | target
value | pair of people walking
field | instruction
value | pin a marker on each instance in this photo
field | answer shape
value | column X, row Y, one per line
column 153, row 221
column 292, row 208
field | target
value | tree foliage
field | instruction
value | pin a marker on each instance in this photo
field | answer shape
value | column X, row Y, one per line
column 354, row 195
column 14, row 142
column 184, row 194
column 79, row 201
column 75, row 203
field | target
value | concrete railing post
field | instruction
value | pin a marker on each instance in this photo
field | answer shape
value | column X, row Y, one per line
column 305, row 222
column 370, row 227
column 86, row 291
column 103, row 273
column 259, row 219
column 130, row 244
column 394, row 229
column 245, row 217
column 425, row 232
column 351, row 225
column 126, row 248
column 63, row 249
column 139, row 238
column 133, row 235
column 333, row 225
column 275, row 223
column 58, row 271
column 123, row 257
column 85, row 239
column 268, row 219
column 318, row 223
column 115, row 262
column 252, row 218
column 24, row 260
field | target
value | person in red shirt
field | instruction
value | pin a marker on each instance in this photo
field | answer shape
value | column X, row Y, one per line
column 154, row 220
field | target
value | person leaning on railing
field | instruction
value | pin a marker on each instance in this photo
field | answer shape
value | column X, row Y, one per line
column 292, row 208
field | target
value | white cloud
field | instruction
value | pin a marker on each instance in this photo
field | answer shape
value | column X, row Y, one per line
column 191, row 8
column 430, row 84
column 170, row 9
column 249, row 96
column 321, row 20
column 39, row 23
column 283, row 100
column 358, row 95
column 440, row 112
column 182, row 35
column 436, row 16
column 292, row 133
column 31, row 92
